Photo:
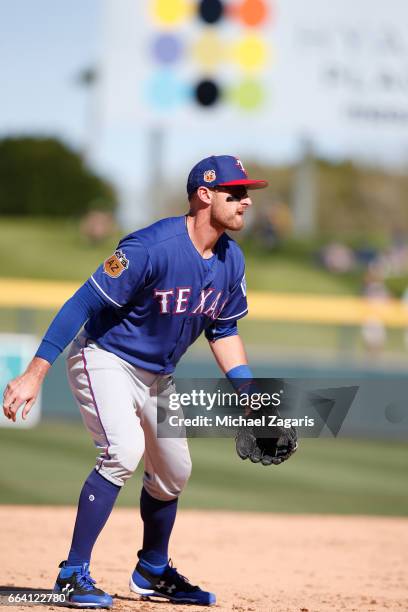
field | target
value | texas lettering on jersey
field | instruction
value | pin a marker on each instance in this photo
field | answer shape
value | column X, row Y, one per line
column 177, row 301
column 161, row 295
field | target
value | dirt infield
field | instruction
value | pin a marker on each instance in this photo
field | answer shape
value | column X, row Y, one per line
column 253, row 562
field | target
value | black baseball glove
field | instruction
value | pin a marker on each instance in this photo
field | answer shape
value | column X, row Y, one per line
column 252, row 444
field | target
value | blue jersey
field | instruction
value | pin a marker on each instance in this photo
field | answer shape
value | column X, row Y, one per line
column 161, row 294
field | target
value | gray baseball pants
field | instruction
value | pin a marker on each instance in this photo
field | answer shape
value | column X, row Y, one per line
column 118, row 404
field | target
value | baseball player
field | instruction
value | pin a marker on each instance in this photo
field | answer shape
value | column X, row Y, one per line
column 142, row 308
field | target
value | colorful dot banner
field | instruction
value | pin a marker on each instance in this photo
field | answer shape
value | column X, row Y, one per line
column 208, row 53
column 171, row 12
column 288, row 69
column 251, row 13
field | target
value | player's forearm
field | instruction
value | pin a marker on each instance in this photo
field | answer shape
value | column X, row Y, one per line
column 38, row 367
column 68, row 321
column 229, row 352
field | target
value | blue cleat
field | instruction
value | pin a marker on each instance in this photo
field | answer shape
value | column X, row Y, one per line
column 76, row 583
column 148, row 581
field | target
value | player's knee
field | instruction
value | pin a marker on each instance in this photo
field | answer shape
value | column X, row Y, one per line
column 122, row 462
column 128, row 458
column 185, row 473
column 171, row 484
column 180, row 476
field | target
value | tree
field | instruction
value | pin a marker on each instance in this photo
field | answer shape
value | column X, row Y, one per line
column 44, row 177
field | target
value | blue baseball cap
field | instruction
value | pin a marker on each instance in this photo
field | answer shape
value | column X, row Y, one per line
column 220, row 171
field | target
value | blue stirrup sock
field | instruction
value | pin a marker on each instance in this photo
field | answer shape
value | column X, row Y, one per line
column 95, row 504
column 158, row 518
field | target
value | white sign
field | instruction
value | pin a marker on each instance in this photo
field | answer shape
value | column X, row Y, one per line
column 316, row 68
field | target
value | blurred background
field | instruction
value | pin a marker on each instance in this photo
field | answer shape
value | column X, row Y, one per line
column 105, row 107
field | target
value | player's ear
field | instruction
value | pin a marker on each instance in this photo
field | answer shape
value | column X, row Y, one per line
column 204, row 195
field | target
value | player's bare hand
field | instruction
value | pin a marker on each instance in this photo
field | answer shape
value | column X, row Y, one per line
column 23, row 390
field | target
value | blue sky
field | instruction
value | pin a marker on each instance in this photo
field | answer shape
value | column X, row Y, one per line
column 43, row 46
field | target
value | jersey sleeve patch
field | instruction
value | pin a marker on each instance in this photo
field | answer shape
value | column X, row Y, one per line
column 115, row 265
column 120, row 276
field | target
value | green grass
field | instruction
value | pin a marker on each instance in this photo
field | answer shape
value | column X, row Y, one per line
column 48, row 249
column 54, row 249
column 296, row 275
column 47, row 465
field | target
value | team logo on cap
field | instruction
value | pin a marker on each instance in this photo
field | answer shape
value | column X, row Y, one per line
column 241, row 166
column 209, row 176
column 116, row 264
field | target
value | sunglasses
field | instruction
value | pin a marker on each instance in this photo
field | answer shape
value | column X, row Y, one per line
column 236, row 194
